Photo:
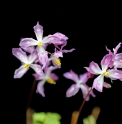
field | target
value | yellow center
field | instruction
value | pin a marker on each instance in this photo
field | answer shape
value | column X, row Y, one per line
column 26, row 65
column 51, row 81
column 39, row 44
column 120, row 60
column 106, row 73
column 57, row 61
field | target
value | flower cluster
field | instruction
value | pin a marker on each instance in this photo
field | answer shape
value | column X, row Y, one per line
column 39, row 59
column 43, row 63
column 110, row 64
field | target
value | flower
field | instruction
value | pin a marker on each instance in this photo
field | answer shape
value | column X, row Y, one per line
column 46, row 77
column 41, row 42
column 27, row 62
column 104, row 72
column 80, row 84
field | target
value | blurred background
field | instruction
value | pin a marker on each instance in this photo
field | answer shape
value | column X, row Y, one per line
column 90, row 26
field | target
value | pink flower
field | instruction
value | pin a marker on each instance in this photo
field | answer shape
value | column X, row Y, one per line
column 41, row 42
column 27, row 62
column 104, row 72
column 46, row 77
column 116, row 59
column 80, row 84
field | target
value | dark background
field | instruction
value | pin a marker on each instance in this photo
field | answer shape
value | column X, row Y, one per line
column 90, row 26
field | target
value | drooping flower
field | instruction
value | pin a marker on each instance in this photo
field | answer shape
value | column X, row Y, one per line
column 27, row 62
column 46, row 77
column 80, row 83
column 41, row 41
column 116, row 58
column 104, row 72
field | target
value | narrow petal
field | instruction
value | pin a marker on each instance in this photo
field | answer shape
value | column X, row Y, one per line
column 33, row 56
column 21, row 55
column 85, row 90
column 109, row 50
column 40, row 88
column 106, row 62
column 98, row 83
column 68, row 51
column 71, row 75
column 20, row 72
column 94, row 68
column 54, row 76
column 115, row 74
column 73, row 89
column 117, row 48
column 27, row 42
column 40, row 50
column 49, row 39
column 37, row 69
column 106, row 85
column 38, row 29
column 84, row 78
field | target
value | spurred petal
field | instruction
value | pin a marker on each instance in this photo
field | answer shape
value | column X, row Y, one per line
column 109, row 50
column 37, row 69
column 94, row 68
column 54, row 76
column 40, row 88
column 20, row 71
column 21, row 55
column 117, row 48
column 84, row 78
column 115, row 74
column 32, row 57
column 71, row 75
column 107, row 62
column 38, row 29
column 98, row 83
column 73, row 89
column 27, row 42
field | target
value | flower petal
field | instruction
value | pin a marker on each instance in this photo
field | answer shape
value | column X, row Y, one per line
column 73, row 89
column 68, row 51
column 38, row 29
column 115, row 74
column 118, row 56
column 60, row 36
column 40, row 50
column 117, row 48
column 21, row 55
column 54, row 76
column 38, row 77
column 98, row 83
column 27, row 42
column 90, row 75
column 106, row 85
column 71, row 75
column 32, row 57
column 37, row 69
column 94, row 68
column 84, row 78
column 107, row 62
column 20, row 72
column 117, row 64
column 28, row 49
column 40, row 88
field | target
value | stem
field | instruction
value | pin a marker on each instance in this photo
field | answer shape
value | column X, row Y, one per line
column 31, row 93
column 79, row 111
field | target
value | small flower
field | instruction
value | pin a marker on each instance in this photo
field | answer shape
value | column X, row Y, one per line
column 27, row 62
column 46, row 77
column 104, row 72
column 41, row 42
column 80, row 84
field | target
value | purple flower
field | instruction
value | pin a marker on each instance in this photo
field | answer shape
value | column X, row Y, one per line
column 104, row 72
column 27, row 62
column 80, row 84
column 41, row 41
column 46, row 77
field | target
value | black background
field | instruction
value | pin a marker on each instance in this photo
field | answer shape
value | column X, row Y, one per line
column 90, row 26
